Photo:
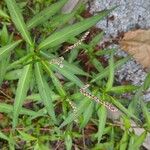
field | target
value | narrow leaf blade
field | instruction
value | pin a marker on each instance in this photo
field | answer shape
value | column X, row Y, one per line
column 45, row 14
column 6, row 49
column 44, row 91
column 71, row 31
column 22, row 88
column 18, row 20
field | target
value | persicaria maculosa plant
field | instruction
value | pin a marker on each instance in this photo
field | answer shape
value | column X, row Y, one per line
column 33, row 59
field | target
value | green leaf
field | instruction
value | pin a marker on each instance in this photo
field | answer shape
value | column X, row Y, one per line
column 104, row 146
column 36, row 97
column 122, row 108
column 3, row 14
column 124, row 141
column 3, row 136
column 96, row 39
column 104, row 52
column 61, row 19
column 147, row 82
column 138, row 141
column 6, row 49
column 71, row 31
column 111, row 74
column 87, row 114
column 69, row 75
column 3, row 67
column 45, row 14
column 74, row 69
column 146, row 113
column 22, row 88
column 55, row 80
column 20, row 62
column 4, row 36
column 102, row 115
column 123, row 89
column 6, row 108
column 97, row 65
column 13, row 75
column 18, row 20
column 44, row 91
column 68, row 141
column 80, row 109
column 26, row 137
column 105, row 72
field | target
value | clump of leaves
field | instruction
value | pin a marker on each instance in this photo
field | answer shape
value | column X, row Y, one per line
column 49, row 105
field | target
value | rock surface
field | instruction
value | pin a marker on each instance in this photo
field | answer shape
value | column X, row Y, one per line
column 130, row 14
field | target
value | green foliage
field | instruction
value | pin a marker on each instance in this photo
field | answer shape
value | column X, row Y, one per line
column 41, row 100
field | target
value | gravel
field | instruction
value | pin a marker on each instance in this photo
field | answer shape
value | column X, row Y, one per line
column 130, row 14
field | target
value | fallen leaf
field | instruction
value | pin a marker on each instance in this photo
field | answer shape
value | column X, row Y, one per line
column 137, row 43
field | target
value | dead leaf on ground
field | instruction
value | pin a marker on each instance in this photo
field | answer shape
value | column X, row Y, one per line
column 137, row 43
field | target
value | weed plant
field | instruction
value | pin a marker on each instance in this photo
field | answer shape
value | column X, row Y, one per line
column 45, row 102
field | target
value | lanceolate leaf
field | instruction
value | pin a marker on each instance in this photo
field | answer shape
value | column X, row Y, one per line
column 105, row 72
column 55, row 80
column 6, row 49
column 3, row 136
column 22, row 88
column 123, row 89
column 45, row 14
column 70, row 31
column 87, row 114
column 3, row 14
column 44, row 91
column 124, row 141
column 6, row 108
column 102, row 114
column 27, row 137
column 111, row 74
column 74, row 115
column 69, row 75
column 18, row 20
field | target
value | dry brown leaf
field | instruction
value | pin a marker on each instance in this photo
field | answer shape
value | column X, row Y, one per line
column 137, row 43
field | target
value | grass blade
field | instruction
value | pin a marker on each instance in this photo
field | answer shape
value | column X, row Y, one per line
column 71, row 31
column 18, row 20
column 44, row 91
column 45, row 14
column 22, row 88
